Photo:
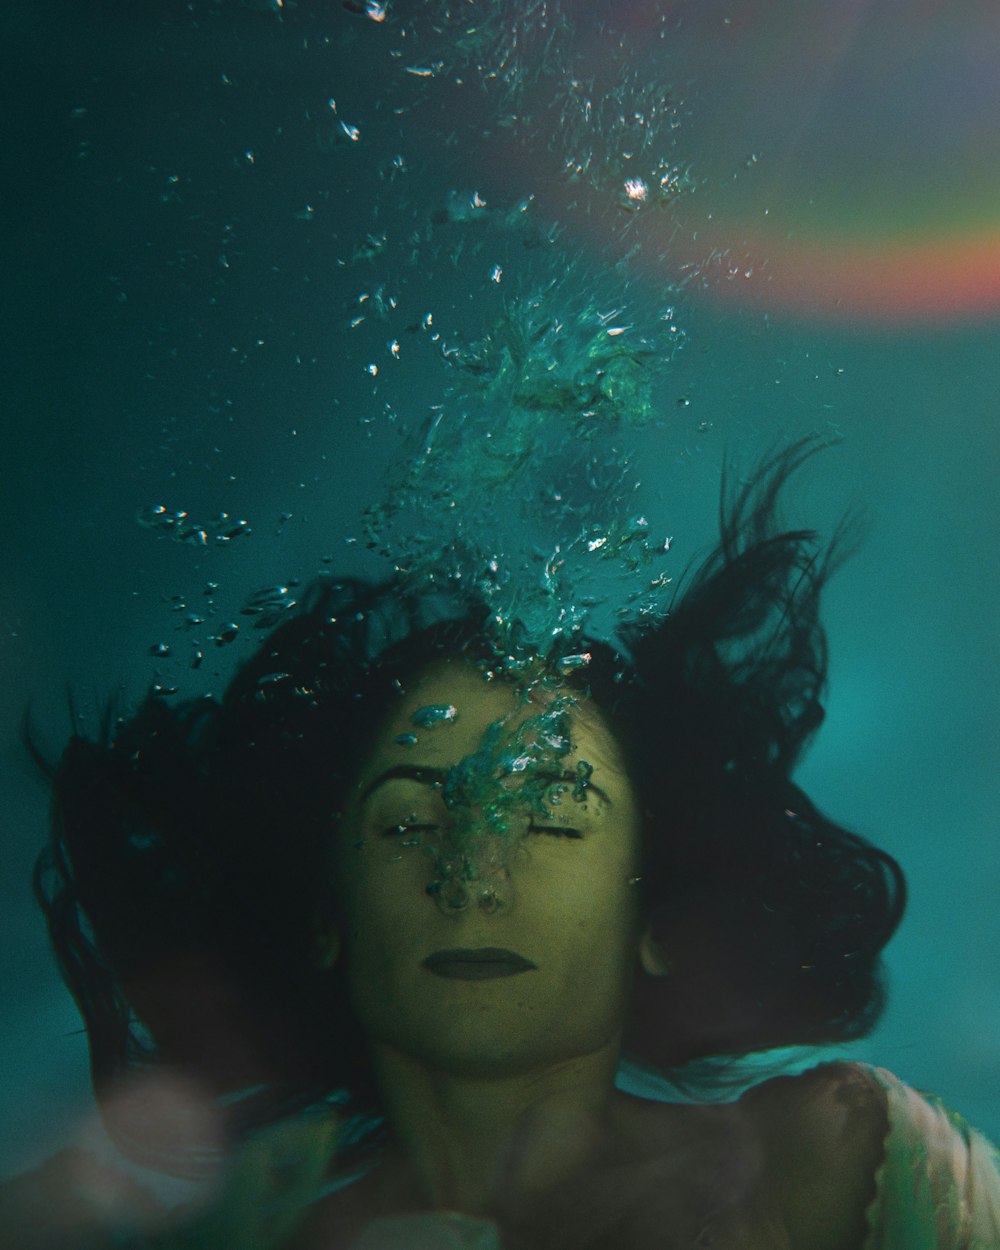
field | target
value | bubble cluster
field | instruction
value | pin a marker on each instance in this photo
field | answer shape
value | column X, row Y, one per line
column 500, row 171
column 511, row 782
column 220, row 530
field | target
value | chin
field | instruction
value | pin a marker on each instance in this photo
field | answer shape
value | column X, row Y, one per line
column 493, row 1059
column 476, row 1046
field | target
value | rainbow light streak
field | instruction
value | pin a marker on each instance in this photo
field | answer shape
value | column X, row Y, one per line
column 876, row 129
column 892, row 280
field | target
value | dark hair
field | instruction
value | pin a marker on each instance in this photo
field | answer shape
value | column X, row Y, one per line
column 189, row 853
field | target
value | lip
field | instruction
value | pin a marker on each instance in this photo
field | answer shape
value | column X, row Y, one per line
column 481, row 964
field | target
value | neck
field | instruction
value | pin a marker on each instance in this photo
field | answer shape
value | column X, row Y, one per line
column 486, row 1144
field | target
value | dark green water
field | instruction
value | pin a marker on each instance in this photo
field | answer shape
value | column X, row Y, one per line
column 226, row 294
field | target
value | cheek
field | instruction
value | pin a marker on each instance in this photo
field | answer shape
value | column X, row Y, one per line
column 380, row 890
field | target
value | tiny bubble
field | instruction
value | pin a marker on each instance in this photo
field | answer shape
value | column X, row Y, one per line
column 433, row 714
column 153, row 515
column 569, row 663
column 269, row 679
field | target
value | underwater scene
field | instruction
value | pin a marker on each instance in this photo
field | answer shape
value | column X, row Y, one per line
column 323, row 314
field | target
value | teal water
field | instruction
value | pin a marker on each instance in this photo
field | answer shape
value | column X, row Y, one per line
column 497, row 287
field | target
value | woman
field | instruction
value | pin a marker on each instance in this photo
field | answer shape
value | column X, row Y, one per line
column 404, row 900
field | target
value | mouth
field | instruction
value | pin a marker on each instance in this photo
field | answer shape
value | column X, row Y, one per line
column 477, row 965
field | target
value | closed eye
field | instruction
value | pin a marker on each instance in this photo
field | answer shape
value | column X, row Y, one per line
column 556, row 831
column 553, row 831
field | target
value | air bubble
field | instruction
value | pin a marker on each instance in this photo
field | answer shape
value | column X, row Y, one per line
column 270, row 604
column 154, row 515
column 373, row 245
column 270, row 679
column 434, row 714
column 570, row 663
column 178, row 526
column 584, row 772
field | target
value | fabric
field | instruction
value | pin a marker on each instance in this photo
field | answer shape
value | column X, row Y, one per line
column 939, row 1184
column 937, row 1188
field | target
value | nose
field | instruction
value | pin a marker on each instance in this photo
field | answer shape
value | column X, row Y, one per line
column 476, row 877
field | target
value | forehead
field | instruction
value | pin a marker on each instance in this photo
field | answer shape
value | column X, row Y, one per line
column 446, row 709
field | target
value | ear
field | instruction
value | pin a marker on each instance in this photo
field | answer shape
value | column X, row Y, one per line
column 326, row 945
column 654, row 959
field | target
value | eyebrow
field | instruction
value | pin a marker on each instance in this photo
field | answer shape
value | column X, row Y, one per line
column 571, row 776
column 428, row 776
column 406, row 772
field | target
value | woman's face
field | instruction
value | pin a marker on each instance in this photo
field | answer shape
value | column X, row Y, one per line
column 477, row 826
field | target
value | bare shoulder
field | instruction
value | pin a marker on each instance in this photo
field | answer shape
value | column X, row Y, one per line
column 825, row 1132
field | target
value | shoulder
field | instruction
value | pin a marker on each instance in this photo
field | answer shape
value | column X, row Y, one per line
column 821, row 1103
column 824, row 1134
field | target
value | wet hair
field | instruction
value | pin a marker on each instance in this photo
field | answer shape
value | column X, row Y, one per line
column 189, row 856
